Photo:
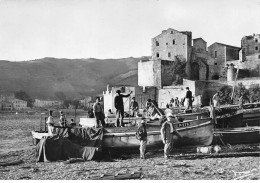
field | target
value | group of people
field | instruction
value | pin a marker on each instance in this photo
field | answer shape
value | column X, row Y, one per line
column 188, row 99
column 62, row 120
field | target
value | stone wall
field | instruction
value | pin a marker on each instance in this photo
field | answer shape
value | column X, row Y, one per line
column 142, row 94
column 217, row 51
column 109, row 95
column 246, row 82
column 168, row 75
column 146, row 73
column 232, row 53
column 166, row 93
column 251, row 64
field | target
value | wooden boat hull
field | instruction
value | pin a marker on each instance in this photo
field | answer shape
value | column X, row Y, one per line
column 237, row 136
column 198, row 135
column 251, row 117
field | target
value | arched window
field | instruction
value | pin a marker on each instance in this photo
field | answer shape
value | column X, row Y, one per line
column 157, row 43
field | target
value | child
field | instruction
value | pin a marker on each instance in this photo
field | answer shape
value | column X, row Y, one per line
column 141, row 135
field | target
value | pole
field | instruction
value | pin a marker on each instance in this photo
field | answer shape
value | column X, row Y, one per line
column 234, row 85
column 157, row 109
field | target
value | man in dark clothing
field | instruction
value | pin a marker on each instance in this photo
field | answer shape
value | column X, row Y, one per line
column 119, row 105
column 188, row 98
column 99, row 114
column 134, row 108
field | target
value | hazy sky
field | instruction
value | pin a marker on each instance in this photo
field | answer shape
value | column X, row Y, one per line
column 31, row 29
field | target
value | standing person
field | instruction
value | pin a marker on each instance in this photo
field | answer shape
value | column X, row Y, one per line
column 188, row 98
column 171, row 102
column 177, row 102
column 215, row 99
column 63, row 119
column 119, row 105
column 134, row 108
column 167, row 110
column 167, row 131
column 141, row 135
column 241, row 101
column 50, row 122
column 98, row 114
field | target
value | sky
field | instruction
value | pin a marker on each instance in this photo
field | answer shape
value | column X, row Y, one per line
column 33, row 29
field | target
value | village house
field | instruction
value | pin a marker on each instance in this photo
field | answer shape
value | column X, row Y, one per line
column 9, row 102
column 6, row 106
column 47, row 103
column 86, row 102
column 19, row 104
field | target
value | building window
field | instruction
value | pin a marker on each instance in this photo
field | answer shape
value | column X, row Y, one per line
column 256, row 48
column 171, row 32
column 166, row 43
column 173, row 41
column 216, row 63
column 157, row 43
column 169, row 54
column 256, row 40
column 216, row 54
column 259, row 56
column 157, row 55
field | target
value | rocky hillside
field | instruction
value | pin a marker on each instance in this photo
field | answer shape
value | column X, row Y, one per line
column 44, row 78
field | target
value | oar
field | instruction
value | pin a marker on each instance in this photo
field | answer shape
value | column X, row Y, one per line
column 157, row 109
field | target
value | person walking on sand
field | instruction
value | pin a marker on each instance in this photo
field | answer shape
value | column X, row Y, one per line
column 119, row 105
column 141, row 135
column 215, row 99
column 167, row 131
column 98, row 114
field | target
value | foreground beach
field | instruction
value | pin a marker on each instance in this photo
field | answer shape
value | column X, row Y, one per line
column 16, row 145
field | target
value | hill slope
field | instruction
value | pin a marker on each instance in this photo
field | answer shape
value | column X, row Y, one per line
column 43, row 78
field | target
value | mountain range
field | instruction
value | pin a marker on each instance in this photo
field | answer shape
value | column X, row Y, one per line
column 46, row 78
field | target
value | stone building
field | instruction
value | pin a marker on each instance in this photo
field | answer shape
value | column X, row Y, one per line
column 251, row 44
column 199, row 55
column 219, row 55
column 249, row 57
column 47, row 103
column 171, row 43
column 19, row 104
column 6, row 106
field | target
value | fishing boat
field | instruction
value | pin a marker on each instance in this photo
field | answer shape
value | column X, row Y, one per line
column 196, row 129
column 251, row 114
column 242, row 135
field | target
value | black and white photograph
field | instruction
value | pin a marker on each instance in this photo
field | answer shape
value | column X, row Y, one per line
column 129, row 90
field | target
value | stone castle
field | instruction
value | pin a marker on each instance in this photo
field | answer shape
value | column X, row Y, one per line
column 206, row 67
